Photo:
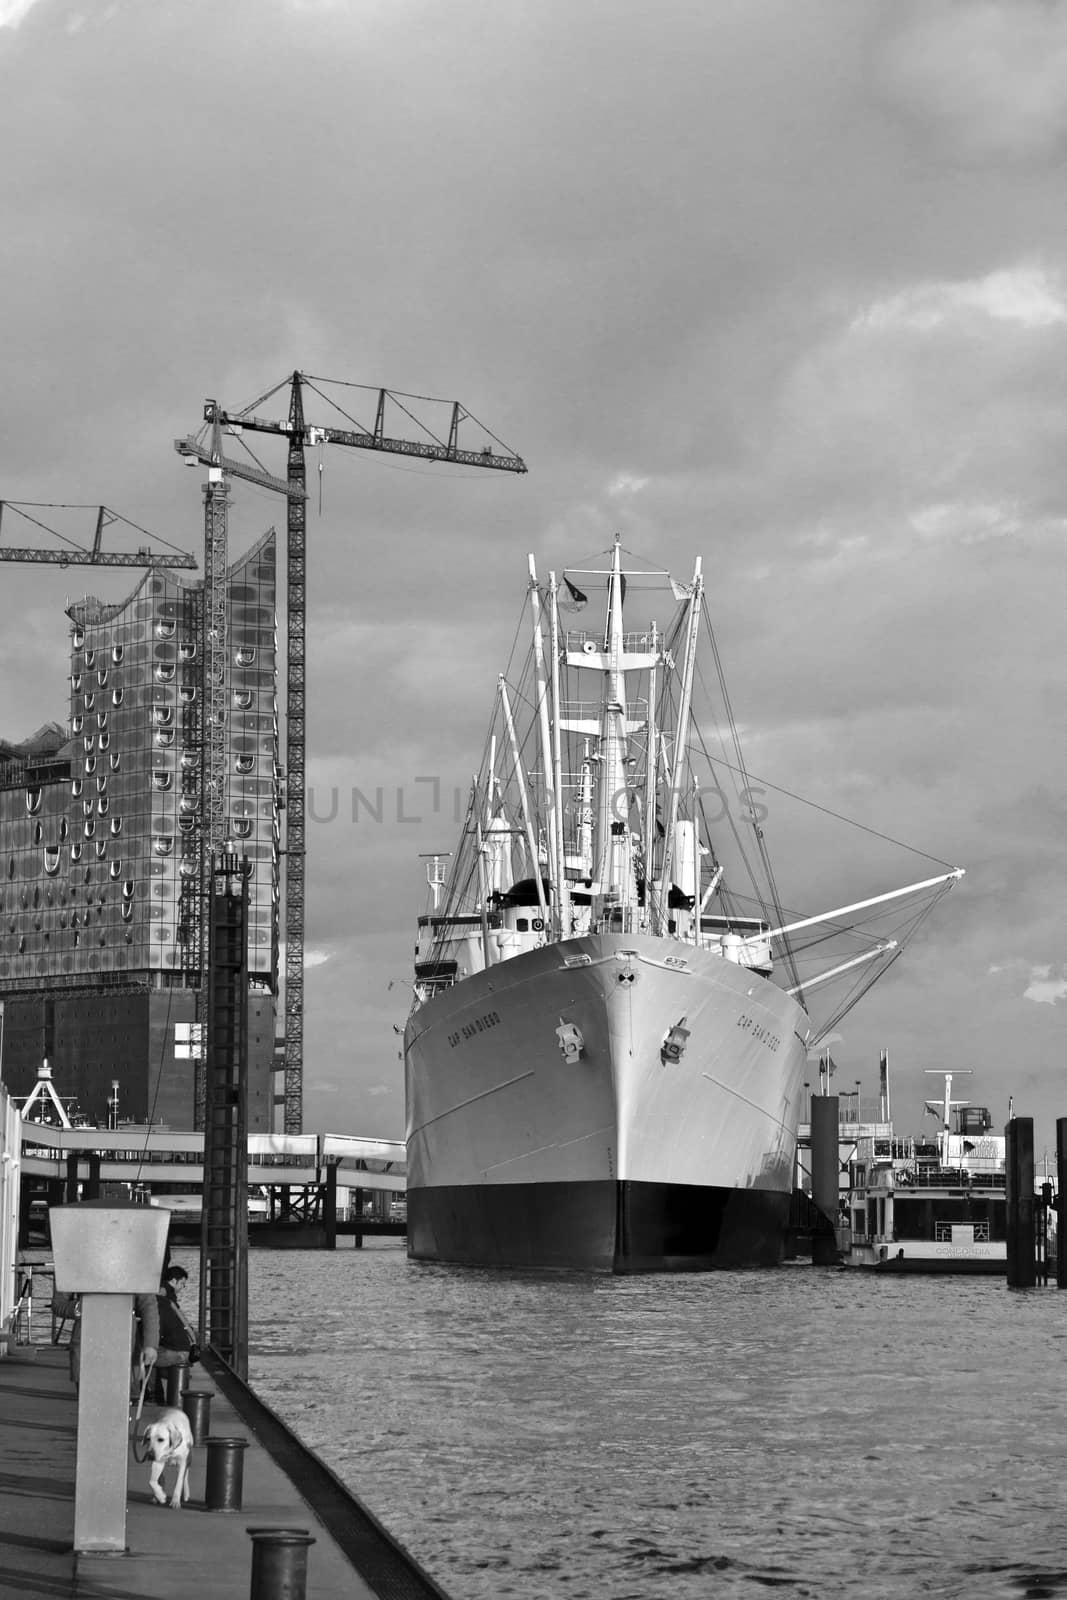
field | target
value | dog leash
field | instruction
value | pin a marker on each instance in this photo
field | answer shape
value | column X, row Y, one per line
column 146, row 1373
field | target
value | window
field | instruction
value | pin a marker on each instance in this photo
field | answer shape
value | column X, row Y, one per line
column 165, row 672
column 117, row 652
column 242, row 699
column 33, row 801
column 116, row 697
column 166, row 628
column 246, row 655
column 187, row 650
column 245, row 763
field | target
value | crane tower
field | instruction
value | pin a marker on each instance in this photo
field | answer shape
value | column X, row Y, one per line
column 206, row 448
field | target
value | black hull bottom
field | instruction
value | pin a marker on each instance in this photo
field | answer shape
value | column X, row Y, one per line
column 597, row 1227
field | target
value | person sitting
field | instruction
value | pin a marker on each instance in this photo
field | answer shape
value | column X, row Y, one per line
column 177, row 1346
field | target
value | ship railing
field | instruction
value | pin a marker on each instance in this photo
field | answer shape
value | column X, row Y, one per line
column 635, row 643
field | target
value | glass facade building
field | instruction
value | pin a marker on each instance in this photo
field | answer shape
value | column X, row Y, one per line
column 100, row 843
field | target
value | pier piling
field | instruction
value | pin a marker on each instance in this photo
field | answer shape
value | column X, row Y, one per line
column 1019, row 1170
column 824, row 1178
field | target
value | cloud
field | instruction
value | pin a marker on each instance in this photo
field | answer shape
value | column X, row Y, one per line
column 1026, row 295
column 1043, row 988
column 12, row 12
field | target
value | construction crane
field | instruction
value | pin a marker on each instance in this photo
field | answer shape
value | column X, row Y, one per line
column 206, row 448
column 76, row 555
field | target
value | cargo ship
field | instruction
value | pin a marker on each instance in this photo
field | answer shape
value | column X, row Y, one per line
column 606, row 1051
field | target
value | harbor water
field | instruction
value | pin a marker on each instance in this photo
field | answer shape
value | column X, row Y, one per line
column 820, row 1432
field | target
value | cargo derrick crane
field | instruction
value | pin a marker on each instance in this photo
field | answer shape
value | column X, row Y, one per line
column 76, row 555
column 298, row 434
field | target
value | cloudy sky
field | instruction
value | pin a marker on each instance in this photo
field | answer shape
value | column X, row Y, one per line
column 783, row 284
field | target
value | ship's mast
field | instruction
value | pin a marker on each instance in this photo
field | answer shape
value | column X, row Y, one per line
column 612, row 867
column 679, row 765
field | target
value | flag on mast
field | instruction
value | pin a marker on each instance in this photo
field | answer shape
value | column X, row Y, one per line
column 577, row 601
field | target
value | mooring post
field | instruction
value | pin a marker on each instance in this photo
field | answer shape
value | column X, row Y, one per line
column 1061, row 1210
column 1019, row 1169
column 329, row 1206
column 824, row 1177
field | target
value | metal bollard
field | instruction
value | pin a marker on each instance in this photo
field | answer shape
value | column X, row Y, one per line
column 177, row 1379
column 279, row 1563
column 196, row 1403
column 225, row 1474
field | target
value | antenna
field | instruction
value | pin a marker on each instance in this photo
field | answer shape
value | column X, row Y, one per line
column 944, row 1111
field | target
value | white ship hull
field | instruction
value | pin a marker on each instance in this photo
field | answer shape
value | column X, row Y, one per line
column 623, row 1159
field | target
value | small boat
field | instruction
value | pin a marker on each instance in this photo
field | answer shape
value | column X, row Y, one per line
column 605, row 1057
column 931, row 1205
